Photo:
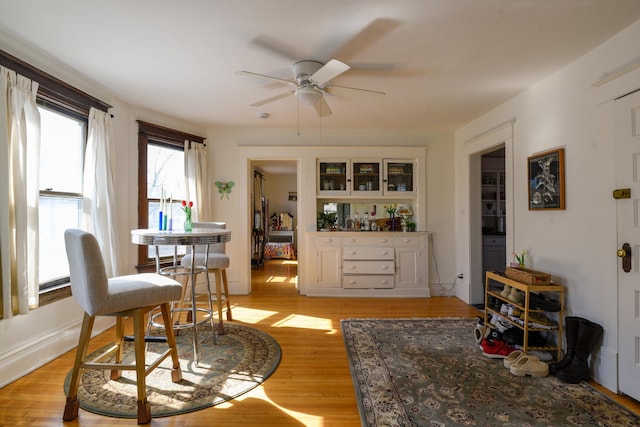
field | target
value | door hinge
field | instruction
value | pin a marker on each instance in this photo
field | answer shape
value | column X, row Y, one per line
column 622, row 193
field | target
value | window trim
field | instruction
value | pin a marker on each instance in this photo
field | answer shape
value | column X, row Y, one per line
column 53, row 90
column 158, row 135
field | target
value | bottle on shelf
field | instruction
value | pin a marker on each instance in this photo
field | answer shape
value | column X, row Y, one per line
column 356, row 222
column 366, row 225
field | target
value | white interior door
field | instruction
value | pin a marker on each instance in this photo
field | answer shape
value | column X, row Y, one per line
column 627, row 131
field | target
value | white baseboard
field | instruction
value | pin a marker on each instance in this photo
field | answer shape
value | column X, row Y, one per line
column 27, row 358
column 443, row 289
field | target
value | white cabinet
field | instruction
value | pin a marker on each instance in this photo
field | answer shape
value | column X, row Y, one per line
column 399, row 177
column 371, row 264
column 368, row 262
column 372, row 177
column 328, row 262
column 334, row 177
column 411, row 264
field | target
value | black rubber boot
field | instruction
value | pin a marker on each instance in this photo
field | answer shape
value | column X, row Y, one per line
column 578, row 368
column 571, row 328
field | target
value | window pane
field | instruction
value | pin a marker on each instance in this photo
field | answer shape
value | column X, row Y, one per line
column 56, row 215
column 165, row 170
column 61, row 152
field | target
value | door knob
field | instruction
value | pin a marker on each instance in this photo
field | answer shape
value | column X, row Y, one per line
column 625, row 254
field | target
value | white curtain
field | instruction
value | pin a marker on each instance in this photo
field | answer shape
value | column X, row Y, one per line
column 99, row 196
column 19, row 191
column 195, row 169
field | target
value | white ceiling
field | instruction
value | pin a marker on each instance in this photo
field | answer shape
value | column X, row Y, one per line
column 441, row 63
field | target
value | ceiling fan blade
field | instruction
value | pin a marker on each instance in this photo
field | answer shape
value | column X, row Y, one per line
column 273, row 98
column 275, row 46
column 322, row 108
column 264, row 76
column 353, row 91
column 328, row 71
column 367, row 37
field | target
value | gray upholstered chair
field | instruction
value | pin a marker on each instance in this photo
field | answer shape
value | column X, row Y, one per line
column 217, row 263
column 124, row 296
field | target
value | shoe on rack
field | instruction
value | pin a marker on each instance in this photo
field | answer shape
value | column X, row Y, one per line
column 543, row 302
column 537, row 320
column 516, row 296
column 506, row 291
column 495, row 349
column 514, row 313
column 529, row 365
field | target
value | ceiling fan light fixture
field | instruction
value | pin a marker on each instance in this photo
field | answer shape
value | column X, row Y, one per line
column 308, row 95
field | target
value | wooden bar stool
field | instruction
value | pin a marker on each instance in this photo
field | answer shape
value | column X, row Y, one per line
column 133, row 296
column 217, row 264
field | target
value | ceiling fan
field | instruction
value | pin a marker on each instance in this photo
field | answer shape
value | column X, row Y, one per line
column 311, row 79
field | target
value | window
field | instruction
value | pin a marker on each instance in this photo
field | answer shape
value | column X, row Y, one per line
column 165, row 178
column 160, row 167
column 62, row 144
column 64, row 112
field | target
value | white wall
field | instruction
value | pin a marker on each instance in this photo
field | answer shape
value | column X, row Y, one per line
column 578, row 245
column 233, row 149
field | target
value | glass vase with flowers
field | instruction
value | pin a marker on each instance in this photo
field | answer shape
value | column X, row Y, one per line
column 186, row 207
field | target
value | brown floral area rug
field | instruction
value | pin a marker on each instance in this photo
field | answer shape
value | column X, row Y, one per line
column 430, row 372
column 241, row 360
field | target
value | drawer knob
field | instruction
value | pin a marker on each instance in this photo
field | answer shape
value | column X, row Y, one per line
column 352, row 253
column 406, row 240
column 384, row 282
column 352, row 267
column 352, row 282
column 384, row 253
column 385, row 267
column 384, row 240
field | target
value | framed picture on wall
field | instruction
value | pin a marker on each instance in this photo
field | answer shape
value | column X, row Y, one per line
column 546, row 180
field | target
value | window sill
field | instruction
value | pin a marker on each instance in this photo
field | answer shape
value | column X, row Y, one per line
column 54, row 294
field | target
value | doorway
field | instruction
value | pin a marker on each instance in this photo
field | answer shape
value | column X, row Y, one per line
column 275, row 219
column 488, row 196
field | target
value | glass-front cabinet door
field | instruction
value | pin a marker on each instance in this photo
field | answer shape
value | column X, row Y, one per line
column 366, row 179
column 399, row 177
column 333, row 177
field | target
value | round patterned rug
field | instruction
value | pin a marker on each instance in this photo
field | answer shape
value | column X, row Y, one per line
column 241, row 360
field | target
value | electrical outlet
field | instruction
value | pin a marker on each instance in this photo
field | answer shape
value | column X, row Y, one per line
column 460, row 276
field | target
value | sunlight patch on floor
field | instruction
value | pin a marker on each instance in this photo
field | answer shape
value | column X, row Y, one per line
column 300, row 321
column 301, row 417
column 282, row 279
column 251, row 315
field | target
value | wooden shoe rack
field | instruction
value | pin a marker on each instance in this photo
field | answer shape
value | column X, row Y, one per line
column 525, row 309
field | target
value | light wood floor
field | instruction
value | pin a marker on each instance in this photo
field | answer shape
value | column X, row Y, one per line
column 311, row 387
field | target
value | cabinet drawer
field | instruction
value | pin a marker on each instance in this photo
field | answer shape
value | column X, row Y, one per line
column 407, row 241
column 371, row 240
column 367, row 253
column 368, row 267
column 327, row 241
column 368, row 282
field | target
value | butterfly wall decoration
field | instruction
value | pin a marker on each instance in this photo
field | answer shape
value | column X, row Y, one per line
column 224, row 188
